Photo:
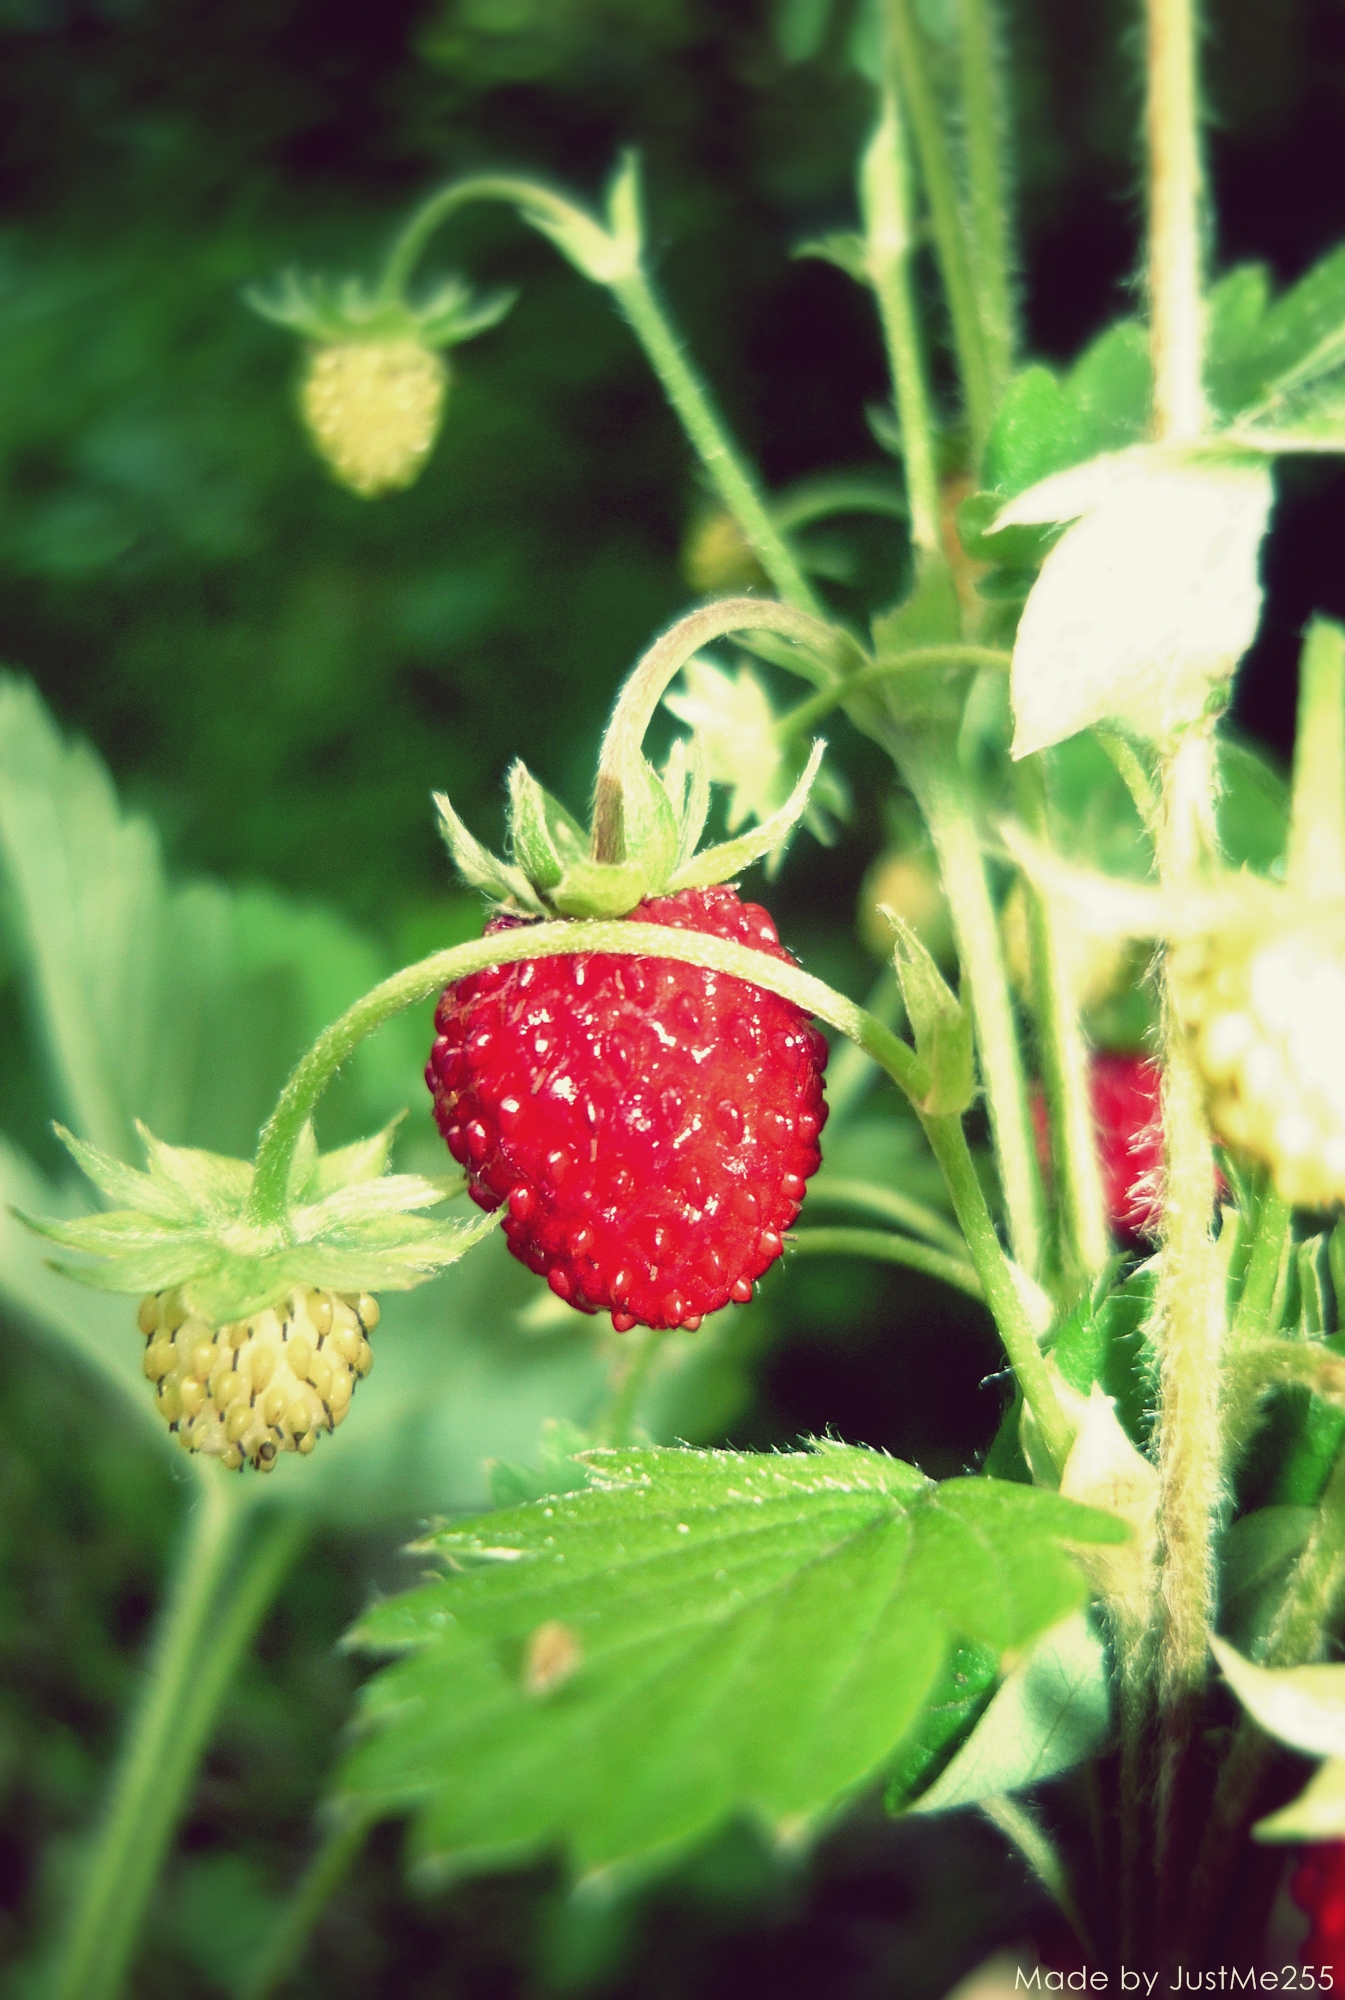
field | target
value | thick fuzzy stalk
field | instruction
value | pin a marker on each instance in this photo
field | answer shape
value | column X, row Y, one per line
column 950, row 235
column 1189, row 1324
column 1176, row 196
column 988, row 212
column 203, row 1631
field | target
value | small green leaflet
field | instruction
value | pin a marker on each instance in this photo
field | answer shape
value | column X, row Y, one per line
column 619, row 1669
column 1305, row 1708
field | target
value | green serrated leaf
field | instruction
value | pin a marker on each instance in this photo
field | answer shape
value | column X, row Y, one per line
column 1053, row 1712
column 737, row 1632
column 1039, row 429
column 1254, row 1562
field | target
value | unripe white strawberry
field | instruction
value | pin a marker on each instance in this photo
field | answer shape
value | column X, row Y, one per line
column 252, row 1388
column 373, row 408
column 1265, row 1006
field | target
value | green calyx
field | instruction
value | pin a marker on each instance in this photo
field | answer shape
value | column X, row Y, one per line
column 349, row 1226
column 556, row 869
column 337, row 312
column 647, row 825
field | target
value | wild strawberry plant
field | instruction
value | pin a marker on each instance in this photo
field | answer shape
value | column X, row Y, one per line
column 652, row 1639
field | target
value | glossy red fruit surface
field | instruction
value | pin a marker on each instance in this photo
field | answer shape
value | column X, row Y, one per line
column 1126, row 1092
column 650, row 1126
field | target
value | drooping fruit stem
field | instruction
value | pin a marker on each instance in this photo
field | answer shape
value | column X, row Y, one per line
column 645, row 686
column 987, row 204
column 1176, row 197
column 415, row 983
column 616, row 262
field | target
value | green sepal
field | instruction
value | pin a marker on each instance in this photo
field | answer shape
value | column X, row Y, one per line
column 338, row 311
column 351, row 1226
column 482, row 869
column 686, row 780
column 649, row 825
column 543, row 838
column 942, row 1025
column 601, row 889
column 769, row 837
column 606, row 255
column 846, row 249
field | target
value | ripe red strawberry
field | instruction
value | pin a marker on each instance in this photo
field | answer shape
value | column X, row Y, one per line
column 651, row 1125
column 1319, row 1888
column 1126, row 1112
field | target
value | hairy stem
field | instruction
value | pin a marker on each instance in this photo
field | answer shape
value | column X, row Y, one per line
column 345, row 1836
column 803, row 717
column 711, row 439
column 889, row 1203
column 988, row 209
column 930, row 769
column 886, row 1248
column 202, row 1634
column 645, row 685
column 619, row 1421
column 949, row 1144
column 885, row 198
column 950, row 236
column 1176, row 193
column 609, row 260
column 1189, row 1319
column 1086, row 1239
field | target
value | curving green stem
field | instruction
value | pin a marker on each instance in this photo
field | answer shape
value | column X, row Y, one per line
column 797, row 720
column 645, row 685
column 837, row 1190
column 614, row 260
column 885, row 1248
column 987, row 206
column 929, row 766
column 205, row 1626
column 415, row 983
column 346, row 1834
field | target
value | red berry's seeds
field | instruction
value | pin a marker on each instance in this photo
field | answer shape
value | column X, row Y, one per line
column 650, row 1125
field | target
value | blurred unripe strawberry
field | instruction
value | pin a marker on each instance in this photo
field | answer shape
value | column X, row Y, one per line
column 1126, row 1094
column 1265, row 1007
column 905, row 881
column 1096, row 967
column 716, row 557
column 373, row 408
column 252, row 1388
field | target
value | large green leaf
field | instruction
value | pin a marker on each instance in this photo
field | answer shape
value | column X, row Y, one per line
column 695, row 1633
column 184, row 1007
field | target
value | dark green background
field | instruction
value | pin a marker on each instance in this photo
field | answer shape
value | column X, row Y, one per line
column 279, row 673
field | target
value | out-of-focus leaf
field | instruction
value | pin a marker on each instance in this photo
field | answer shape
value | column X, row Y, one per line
column 1301, row 1706
column 739, row 1632
column 1053, row 1711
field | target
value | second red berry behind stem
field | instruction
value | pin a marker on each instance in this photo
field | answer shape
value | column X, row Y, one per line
column 650, row 1125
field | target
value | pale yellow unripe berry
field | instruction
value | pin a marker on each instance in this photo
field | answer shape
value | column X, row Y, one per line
column 373, row 408
column 717, row 557
column 1096, row 967
column 906, row 882
column 246, row 1391
column 1265, row 1009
